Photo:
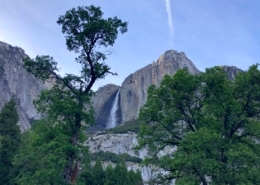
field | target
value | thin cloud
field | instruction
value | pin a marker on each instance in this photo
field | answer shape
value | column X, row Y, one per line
column 168, row 9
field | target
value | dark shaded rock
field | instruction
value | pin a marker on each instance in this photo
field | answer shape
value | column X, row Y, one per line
column 102, row 103
column 231, row 71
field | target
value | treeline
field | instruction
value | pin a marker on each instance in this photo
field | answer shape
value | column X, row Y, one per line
column 110, row 176
column 114, row 158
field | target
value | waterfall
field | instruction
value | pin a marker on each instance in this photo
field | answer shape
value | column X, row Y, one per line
column 112, row 116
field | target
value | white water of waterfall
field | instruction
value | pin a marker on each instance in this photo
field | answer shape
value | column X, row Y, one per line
column 112, row 116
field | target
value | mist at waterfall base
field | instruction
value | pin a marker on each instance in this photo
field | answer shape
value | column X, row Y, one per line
column 112, row 116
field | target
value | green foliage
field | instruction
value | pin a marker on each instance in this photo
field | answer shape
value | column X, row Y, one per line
column 43, row 155
column 86, row 176
column 114, row 158
column 10, row 136
column 67, row 105
column 120, row 175
column 111, row 176
column 213, row 122
column 135, row 178
column 129, row 126
column 98, row 173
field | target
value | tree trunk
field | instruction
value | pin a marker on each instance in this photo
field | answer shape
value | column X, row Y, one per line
column 71, row 171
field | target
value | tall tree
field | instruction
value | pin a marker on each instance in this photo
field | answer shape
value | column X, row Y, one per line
column 213, row 122
column 67, row 103
column 9, row 141
column 109, row 175
column 120, row 175
column 98, row 173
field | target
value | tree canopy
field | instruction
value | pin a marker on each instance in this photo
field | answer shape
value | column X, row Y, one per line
column 110, row 176
column 67, row 105
column 204, row 129
column 10, row 136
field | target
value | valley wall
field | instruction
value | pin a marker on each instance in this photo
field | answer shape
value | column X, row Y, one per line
column 17, row 83
column 134, row 89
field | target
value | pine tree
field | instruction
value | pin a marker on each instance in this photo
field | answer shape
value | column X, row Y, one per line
column 120, row 175
column 9, row 141
column 135, row 178
column 86, row 176
column 109, row 174
column 98, row 173
column 132, row 177
column 138, row 178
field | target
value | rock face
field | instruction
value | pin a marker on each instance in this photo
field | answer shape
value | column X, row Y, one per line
column 16, row 82
column 134, row 89
column 102, row 103
column 231, row 71
column 119, row 144
column 133, row 93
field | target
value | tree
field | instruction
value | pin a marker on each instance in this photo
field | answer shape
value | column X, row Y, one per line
column 43, row 154
column 67, row 104
column 213, row 122
column 109, row 174
column 120, row 175
column 9, row 141
column 135, row 178
column 98, row 173
column 85, row 176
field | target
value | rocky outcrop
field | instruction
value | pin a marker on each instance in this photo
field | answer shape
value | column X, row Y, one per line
column 119, row 144
column 102, row 103
column 134, row 89
column 231, row 71
column 16, row 82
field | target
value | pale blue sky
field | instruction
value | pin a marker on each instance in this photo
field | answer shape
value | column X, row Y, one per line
column 210, row 32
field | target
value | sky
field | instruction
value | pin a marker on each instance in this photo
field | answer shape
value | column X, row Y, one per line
column 209, row 32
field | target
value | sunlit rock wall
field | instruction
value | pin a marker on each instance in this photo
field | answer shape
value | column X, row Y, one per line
column 134, row 88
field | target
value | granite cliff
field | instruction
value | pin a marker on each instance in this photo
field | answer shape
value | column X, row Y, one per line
column 16, row 82
column 102, row 103
column 134, row 89
column 133, row 92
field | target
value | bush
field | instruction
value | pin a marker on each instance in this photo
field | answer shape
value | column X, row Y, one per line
column 129, row 126
column 114, row 158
